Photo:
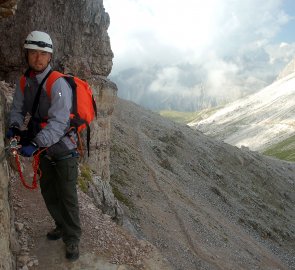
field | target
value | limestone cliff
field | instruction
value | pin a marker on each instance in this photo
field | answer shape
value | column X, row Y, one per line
column 81, row 46
column 5, row 214
column 7, row 8
column 79, row 33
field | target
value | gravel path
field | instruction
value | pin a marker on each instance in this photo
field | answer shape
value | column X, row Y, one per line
column 104, row 245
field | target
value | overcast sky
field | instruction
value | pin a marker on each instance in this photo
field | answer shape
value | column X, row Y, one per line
column 234, row 45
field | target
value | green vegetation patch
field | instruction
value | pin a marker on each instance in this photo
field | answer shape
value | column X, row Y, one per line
column 186, row 117
column 284, row 150
column 85, row 177
column 180, row 117
column 121, row 197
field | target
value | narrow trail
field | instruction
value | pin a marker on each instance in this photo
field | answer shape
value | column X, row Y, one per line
column 104, row 245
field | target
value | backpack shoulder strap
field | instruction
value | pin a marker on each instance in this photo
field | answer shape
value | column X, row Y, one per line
column 23, row 80
column 37, row 97
column 50, row 81
column 22, row 83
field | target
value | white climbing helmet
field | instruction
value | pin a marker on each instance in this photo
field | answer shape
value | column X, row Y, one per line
column 37, row 40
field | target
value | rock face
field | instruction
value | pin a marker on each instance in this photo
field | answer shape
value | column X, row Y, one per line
column 7, row 8
column 81, row 46
column 5, row 224
column 78, row 30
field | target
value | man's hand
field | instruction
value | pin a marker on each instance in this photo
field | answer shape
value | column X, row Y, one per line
column 29, row 150
column 13, row 131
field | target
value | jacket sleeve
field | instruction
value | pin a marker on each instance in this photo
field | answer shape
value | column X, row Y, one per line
column 16, row 115
column 58, row 115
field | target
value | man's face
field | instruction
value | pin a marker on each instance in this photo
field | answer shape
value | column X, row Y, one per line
column 38, row 60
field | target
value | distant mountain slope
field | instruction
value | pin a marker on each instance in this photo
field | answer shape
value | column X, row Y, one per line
column 204, row 204
column 290, row 68
column 257, row 121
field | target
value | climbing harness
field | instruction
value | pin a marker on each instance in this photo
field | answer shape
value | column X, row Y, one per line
column 13, row 149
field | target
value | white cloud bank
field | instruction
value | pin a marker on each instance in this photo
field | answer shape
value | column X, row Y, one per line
column 229, row 47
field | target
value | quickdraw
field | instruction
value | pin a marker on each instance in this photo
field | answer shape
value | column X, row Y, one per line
column 35, row 164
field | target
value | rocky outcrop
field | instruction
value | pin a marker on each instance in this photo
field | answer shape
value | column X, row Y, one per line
column 99, row 161
column 78, row 30
column 7, row 8
column 5, row 216
column 82, row 47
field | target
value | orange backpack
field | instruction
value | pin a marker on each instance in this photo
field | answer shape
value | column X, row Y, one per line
column 83, row 108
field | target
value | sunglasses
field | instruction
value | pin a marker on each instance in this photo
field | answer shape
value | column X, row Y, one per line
column 40, row 44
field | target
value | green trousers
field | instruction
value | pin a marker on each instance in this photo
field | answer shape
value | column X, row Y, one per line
column 58, row 187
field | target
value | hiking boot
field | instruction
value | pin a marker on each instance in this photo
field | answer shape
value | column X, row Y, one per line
column 72, row 252
column 55, row 234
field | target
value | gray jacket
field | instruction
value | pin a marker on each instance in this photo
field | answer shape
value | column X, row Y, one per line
column 56, row 110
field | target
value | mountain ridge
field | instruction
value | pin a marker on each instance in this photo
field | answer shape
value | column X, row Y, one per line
column 256, row 121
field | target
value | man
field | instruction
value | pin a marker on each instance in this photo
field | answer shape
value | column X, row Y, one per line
column 48, row 129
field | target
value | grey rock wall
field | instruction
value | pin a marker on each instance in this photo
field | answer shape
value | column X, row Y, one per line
column 78, row 29
column 7, row 8
column 6, row 227
column 82, row 46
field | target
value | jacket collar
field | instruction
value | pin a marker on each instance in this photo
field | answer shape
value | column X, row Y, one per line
column 41, row 76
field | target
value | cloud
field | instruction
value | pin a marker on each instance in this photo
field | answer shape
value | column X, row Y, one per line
column 227, row 48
